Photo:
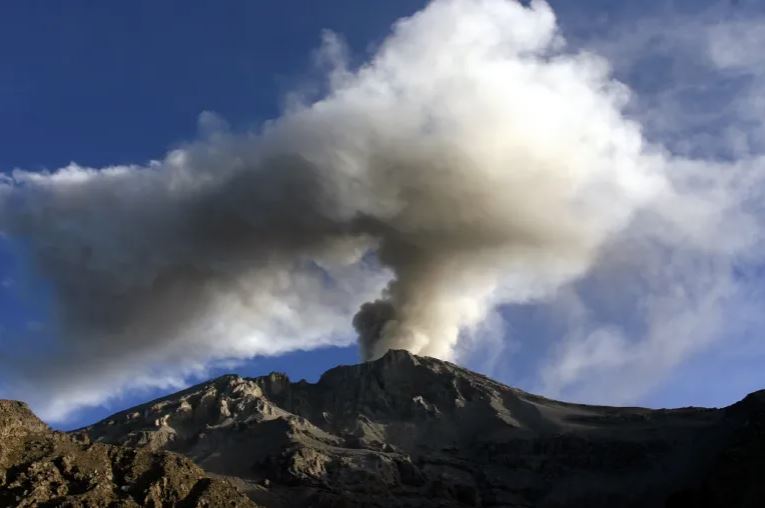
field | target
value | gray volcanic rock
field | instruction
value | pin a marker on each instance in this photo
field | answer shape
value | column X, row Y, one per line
column 39, row 467
column 414, row 431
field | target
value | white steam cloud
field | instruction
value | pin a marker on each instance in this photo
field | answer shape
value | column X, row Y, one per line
column 473, row 161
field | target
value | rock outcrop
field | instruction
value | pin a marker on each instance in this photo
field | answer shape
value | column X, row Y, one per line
column 414, row 431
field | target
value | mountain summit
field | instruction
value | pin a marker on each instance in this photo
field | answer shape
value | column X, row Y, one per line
column 407, row 430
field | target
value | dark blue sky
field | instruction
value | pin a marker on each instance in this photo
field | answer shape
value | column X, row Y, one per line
column 105, row 83
column 116, row 83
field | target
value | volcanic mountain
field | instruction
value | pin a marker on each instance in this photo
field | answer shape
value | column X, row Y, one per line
column 402, row 431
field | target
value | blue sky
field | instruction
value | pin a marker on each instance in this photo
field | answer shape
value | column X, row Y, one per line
column 103, row 85
column 69, row 71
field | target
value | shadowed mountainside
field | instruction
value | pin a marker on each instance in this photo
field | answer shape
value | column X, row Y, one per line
column 415, row 431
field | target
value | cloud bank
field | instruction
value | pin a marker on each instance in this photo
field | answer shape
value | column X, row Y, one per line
column 473, row 161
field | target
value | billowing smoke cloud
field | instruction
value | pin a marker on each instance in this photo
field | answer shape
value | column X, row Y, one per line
column 472, row 161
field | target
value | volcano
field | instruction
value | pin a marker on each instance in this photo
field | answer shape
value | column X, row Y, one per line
column 403, row 430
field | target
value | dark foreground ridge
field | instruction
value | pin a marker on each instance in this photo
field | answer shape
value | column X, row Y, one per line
column 403, row 430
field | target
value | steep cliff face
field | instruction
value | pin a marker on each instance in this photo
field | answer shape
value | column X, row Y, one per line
column 413, row 431
column 39, row 467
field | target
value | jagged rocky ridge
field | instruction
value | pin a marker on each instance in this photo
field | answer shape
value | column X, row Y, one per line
column 414, row 431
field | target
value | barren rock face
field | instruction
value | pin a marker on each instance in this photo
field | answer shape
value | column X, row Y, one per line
column 414, row 431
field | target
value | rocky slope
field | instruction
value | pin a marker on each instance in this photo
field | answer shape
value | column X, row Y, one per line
column 412, row 431
column 39, row 467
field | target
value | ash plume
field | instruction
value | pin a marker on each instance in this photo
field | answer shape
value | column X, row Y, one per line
column 472, row 161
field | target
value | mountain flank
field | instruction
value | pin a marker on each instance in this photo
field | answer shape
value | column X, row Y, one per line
column 404, row 431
